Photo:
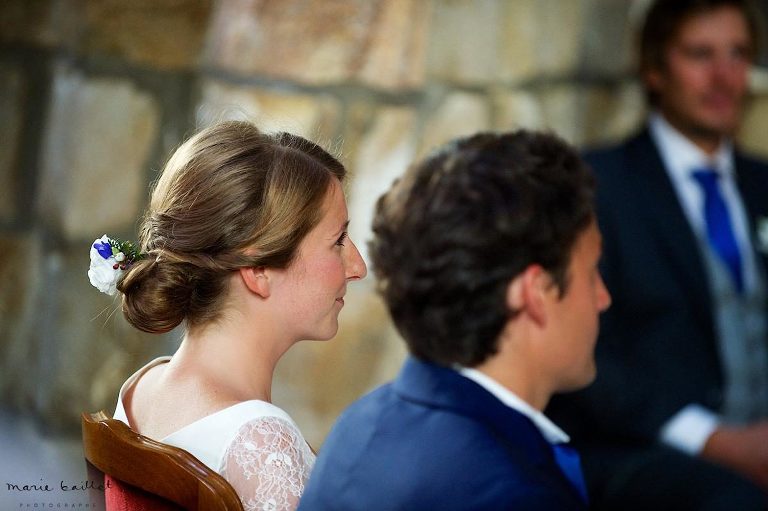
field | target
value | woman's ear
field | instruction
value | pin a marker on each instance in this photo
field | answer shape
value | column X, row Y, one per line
column 256, row 280
column 527, row 292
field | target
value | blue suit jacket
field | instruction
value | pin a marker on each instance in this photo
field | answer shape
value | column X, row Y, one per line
column 435, row 440
column 657, row 350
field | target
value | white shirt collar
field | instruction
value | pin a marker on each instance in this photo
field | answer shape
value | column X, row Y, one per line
column 550, row 431
column 681, row 156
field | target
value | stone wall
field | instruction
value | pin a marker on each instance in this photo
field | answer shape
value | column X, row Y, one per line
column 94, row 94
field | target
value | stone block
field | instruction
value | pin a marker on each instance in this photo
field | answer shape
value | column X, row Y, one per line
column 20, row 261
column 458, row 114
column 12, row 100
column 360, row 116
column 316, row 117
column 583, row 116
column 43, row 23
column 166, row 34
column 608, row 37
column 517, row 109
column 465, row 44
column 560, row 108
column 609, row 114
column 395, row 56
column 375, row 41
column 498, row 41
column 541, row 38
column 29, row 22
column 94, row 166
column 386, row 149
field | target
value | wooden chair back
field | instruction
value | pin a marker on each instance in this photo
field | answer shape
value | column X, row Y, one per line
column 141, row 473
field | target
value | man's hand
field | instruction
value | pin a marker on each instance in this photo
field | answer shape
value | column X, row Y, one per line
column 743, row 449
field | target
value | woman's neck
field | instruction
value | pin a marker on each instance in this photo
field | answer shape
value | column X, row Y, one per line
column 236, row 362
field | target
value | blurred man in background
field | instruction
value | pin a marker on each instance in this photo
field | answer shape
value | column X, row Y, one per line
column 677, row 418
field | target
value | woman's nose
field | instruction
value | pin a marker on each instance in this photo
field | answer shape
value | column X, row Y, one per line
column 355, row 266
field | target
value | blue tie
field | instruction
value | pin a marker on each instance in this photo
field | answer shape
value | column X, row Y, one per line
column 719, row 229
column 568, row 460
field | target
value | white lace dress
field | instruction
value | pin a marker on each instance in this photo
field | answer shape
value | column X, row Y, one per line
column 255, row 445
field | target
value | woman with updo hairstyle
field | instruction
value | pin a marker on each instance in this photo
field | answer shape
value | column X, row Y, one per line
column 245, row 244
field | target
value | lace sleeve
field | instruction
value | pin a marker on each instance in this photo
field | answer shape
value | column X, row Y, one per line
column 268, row 464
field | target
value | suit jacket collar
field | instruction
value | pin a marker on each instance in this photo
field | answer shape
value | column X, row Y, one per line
column 434, row 385
column 439, row 387
column 660, row 204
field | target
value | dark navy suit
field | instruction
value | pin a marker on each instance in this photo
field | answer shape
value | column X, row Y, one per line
column 435, row 440
column 657, row 351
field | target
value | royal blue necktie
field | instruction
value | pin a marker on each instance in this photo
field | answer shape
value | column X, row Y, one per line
column 568, row 460
column 719, row 228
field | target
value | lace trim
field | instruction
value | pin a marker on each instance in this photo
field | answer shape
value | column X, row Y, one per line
column 268, row 464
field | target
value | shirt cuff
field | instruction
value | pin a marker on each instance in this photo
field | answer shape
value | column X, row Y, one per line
column 689, row 429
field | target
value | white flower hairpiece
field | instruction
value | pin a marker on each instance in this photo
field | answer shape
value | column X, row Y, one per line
column 110, row 258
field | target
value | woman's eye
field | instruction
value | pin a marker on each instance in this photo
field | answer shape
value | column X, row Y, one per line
column 340, row 241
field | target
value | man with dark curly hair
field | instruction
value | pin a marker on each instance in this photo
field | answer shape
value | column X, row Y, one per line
column 486, row 255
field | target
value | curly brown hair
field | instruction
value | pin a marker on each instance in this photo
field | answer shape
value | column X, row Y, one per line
column 459, row 226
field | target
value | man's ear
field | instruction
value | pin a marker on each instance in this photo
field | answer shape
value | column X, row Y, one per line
column 256, row 280
column 527, row 293
column 653, row 79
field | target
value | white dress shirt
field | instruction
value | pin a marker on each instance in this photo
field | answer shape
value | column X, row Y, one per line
column 548, row 429
column 680, row 157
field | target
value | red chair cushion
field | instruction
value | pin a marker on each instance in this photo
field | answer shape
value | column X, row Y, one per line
column 120, row 496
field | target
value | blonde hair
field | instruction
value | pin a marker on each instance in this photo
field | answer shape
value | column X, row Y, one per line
column 229, row 197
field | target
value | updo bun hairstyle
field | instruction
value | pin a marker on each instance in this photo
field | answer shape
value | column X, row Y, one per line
column 229, row 197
